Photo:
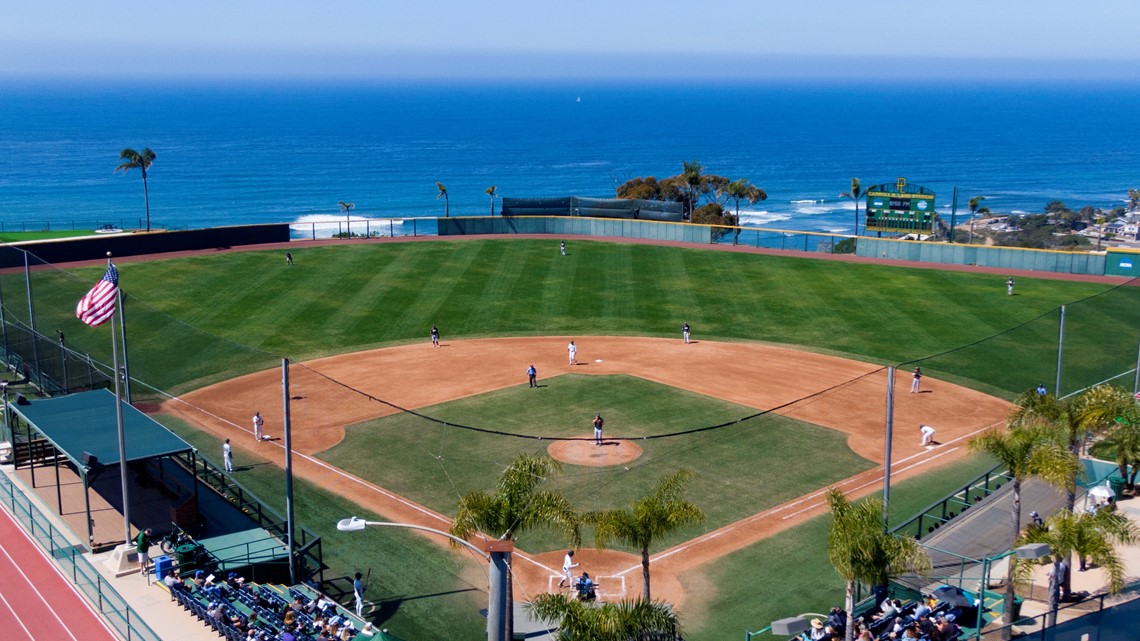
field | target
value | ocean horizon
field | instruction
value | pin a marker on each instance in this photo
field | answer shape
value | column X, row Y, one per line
column 231, row 153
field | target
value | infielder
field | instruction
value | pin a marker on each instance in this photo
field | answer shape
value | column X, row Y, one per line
column 568, row 566
column 258, row 423
column 532, row 374
column 927, row 435
column 685, row 332
column 572, row 350
column 917, row 380
column 435, row 335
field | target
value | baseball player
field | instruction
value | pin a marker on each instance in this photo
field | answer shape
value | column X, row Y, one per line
column 927, row 435
column 1009, row 286
column 568, row 566
column 685, row 332
column 435, row 335
column 228, row 455
column 258, row 423
column 532, row 374
column 598, row 423
column 917, row 380
column 572, row 350
column 562, row 247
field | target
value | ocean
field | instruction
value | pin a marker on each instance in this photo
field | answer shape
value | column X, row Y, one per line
column 233, row 153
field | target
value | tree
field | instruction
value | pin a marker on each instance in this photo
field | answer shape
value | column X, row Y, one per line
column 517, row 504
column 491, row 191
column 1133, row 199
column 625, row 620
column 861, row 550
column 691, row 173
column 1092, row 536
column 856, row 191
column 446, row 203
column 1030, row 451
column 140, row 160
column 649, row 518
column 974, row 203
column 1111, row 410
column 739, row 190
column 346, row 209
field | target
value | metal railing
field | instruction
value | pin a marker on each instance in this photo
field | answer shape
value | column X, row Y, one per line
column 75, row 567
column 939, row 512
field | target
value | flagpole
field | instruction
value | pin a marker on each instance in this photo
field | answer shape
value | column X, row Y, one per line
column 126, row 359
column 119, row 423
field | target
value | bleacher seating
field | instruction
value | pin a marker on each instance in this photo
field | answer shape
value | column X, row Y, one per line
column 242, row 602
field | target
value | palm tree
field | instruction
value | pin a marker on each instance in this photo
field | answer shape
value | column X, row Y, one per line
column 862, row 551
column 652, row 516
column 140, row 160
column 491, row 191
column 621, row 621
column 1092, row 536
column 974, row 203
column 346, row 208
column 1029, row 451
column 1111, row 410
column 443, row 194
column 517, row 504
column 743, row 190
column 691, row 174
column 856, row 191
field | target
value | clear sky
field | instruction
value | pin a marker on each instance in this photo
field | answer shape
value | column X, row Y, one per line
column 707, row 39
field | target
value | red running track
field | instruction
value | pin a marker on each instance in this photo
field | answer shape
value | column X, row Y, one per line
column 36, row 601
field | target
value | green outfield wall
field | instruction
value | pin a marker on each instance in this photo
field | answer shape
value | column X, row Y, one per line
column 1122, row 262
column 575, row 226
column 1041, row 260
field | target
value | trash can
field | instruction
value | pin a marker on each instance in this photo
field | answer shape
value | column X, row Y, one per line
column 162, row 567
column 187, row 555
column 1117, row 486
column 1016, row 612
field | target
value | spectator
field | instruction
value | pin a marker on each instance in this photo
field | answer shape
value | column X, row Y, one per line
column 174, row 581
column 922, row 609
column 837, row 620
column 817, row 631
column 142, row 546
column 288, row 635
column 199, row 579
column 1036, row 518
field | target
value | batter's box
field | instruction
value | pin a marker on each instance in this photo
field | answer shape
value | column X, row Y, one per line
column 608, row 587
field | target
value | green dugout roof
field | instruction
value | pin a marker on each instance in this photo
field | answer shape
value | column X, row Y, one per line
column 85, row 422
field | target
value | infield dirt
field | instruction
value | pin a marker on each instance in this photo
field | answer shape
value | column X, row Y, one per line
column 841, row 394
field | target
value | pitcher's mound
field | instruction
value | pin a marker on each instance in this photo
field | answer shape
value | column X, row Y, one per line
column 586, row 453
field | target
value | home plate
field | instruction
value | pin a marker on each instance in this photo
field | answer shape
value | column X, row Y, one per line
column 597, row 360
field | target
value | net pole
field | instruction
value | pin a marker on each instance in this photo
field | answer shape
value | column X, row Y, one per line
column 1060, row 351
column 1136, row 376
column 32, row 323
column 288, row 470
column 887, row 456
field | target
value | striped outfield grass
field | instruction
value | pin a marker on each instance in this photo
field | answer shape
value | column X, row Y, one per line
column 347, row 298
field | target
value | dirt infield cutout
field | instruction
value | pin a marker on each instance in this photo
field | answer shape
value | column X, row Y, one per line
column 845, row 395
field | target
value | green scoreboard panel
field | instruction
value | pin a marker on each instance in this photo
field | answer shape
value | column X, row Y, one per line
column 900, row 208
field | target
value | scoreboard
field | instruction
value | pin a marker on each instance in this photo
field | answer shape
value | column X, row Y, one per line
column 899, row 208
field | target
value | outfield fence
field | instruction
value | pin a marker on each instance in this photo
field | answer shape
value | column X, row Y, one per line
column 74, row 566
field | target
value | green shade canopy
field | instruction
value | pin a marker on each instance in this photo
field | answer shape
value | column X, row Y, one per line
column 85, row 422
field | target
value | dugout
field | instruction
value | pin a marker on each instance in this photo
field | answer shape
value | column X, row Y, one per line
column 75, row 438
column 633, row 209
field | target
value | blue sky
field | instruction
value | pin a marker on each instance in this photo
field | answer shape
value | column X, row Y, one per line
column 583, row 38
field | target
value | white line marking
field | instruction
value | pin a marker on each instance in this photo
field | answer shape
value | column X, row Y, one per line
column 17, row 616
column 32, row 585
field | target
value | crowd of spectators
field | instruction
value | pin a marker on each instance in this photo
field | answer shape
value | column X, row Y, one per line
column 241, row 612
column 924, row 620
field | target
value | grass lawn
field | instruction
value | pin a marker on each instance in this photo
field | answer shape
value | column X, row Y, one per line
column 204, row 318
column 425, row 591
column 21, row 236
column 437, row 464
column 789, row 574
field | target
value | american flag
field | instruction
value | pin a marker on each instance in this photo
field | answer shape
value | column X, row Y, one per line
column 99, row 303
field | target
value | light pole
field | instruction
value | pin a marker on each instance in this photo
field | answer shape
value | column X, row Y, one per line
column 497, row 585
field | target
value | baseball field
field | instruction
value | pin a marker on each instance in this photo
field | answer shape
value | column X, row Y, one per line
column 781, row 394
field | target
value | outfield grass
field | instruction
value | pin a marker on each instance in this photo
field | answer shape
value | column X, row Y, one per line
column 789, row 573
column 239, row 312
column 424, row 590
column 741, row 469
